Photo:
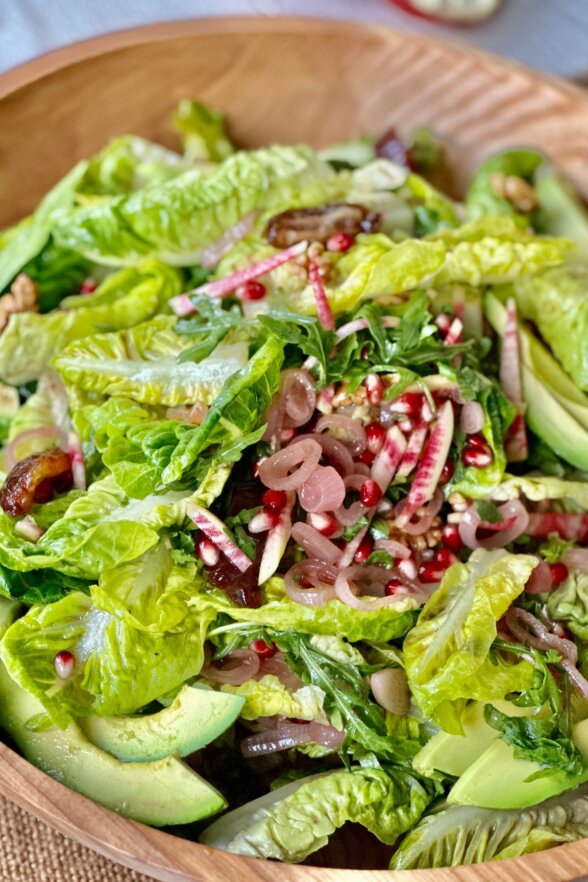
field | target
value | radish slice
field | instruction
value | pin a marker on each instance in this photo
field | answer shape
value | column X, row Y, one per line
column 215, row 530
column 325, row 316
column 516, row 444
column 76, row 456
column 460, row 12
column 413, row 451
column 211, row 255
column 455, row 332
column 431, row 465
column 568, row 526
column 224, row 287
column 182, row 305
column 276, row 541
column 387, row 461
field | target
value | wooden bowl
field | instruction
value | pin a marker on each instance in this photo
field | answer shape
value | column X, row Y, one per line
column 279, row 80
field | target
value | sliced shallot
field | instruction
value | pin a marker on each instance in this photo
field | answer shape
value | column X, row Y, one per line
column 472, row 417
column 318, row 575
column 48, row 434
column 423, row 524
column 302, row 457
column 314, row 544
column 235, row 668
column 346, row 428
column 515, row 520
column 286, row 735
column 323, row 491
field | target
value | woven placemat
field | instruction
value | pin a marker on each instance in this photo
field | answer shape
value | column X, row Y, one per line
column 30, row 851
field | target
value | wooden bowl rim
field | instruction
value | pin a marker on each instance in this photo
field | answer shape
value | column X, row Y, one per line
column 148, row 849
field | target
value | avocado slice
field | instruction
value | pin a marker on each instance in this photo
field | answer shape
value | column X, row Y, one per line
column 554, row 413
column 499, row 780
column 453, row 754
column 195, row 718
column 155, row 793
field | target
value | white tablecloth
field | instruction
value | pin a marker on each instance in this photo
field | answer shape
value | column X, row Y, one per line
column 548, row 34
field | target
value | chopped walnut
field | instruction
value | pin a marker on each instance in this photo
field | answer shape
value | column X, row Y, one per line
column 515, row 190
column 23, row 297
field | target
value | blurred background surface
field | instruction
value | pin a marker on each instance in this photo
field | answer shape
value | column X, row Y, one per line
column 551, row 35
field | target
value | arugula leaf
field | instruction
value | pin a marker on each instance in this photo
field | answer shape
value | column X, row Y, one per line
column 211, row 325
column 306, row 334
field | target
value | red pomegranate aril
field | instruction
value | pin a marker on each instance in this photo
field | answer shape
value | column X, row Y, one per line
column 364, row 550
column 364, row 352
column 374, row 388
column 263, row 521
column 263, row 649
column 477, row 441
column 340, row 242
column 64, row 664
column 451, row 539
column 207, row 552
column 375, row 434
column 370, row 493
column 430, row 571
column 444, row 557
column 367, row 457
column 251, row 291
column 88, row 286
column 410, row 404
column 476, row 458
column 324, row 523
column 447, row 472
column 393, row 587
column 274, row 499
column 559, row 573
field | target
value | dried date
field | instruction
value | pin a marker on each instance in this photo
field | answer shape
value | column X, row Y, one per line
column 320, row 223
column 36, row 479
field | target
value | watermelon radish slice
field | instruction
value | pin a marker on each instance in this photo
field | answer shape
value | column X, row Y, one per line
column 214, row 529
column 459, row 12
column 277, row 539
column 386, row 462
column 431, row 465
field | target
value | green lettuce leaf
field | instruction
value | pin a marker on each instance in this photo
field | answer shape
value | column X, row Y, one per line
column 30, row 340
column 175, row 221
column 121, row 665
column 333, row 619
column 482, row 198
column 202, row 130
column 38, row 586
column 539, row 487
column 289, row 826
column 142, row 363
column 268, row 697
column 557, row 303
column 569, row 604
column 129, row 163
column 57, row 273
column 46, row 408
column 447, row 654
column 454, row 835
column 30, row 237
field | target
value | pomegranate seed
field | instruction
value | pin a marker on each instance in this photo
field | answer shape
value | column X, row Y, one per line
column 364, row 352
column 430, row 571
column 374, row 388
column 364, row 550
column 407, row 567
column 251, row 291
column 64, row 664
column 88, row 286
column 367, row 457
column 263, row 521
column 443, row 322
column 444, row 557
column 324, row 523
column 340, row 242
column 370, row 493
column 207, row 552
column 286, row 435
column 447, row 472
column 263, row 649
column 410, row 403
column 478, row 441
column 256, row 465
column 393, row 587
column 451, row 539
column 375, row 434
column 475, row 456
column 275, row 499
column 559, row 572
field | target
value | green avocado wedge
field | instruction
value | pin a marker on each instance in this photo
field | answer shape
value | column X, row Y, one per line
column 195, row 718
column 156, row 793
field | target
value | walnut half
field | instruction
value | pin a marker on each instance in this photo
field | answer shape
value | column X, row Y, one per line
column 23, row 297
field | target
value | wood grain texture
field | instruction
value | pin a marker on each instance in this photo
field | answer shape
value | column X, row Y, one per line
column 291, row 81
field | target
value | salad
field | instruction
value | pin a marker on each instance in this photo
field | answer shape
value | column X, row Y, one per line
column 294, row 524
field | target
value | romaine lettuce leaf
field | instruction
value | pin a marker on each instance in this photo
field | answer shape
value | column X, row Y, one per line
column 293, row 825
column 268, row 697
column 38, row 586
column 202, row 130
column 129, row 163
column 175, row 221
column 447, row 654
column 31, row 236
column 569, row 604
column 334, row 619
column 557, row 302
column 454, row 835
column 143, row 364
column 30, row 340
column 539, row 487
